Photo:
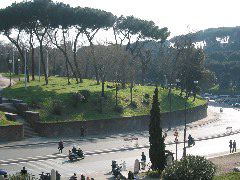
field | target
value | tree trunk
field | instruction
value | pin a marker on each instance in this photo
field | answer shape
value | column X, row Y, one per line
column 75, row 58
column 32, row 55
column 43, row 63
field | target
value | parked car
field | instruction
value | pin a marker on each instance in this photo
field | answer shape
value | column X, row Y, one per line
column 236, row 105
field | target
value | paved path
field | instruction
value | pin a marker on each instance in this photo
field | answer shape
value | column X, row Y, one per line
column 4, row 82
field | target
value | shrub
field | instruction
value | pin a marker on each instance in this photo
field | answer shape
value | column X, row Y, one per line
column 190, row 168
column 147, row 96
column 146, row 101
column 77, row 98
column 154, row 174
column 54, row 106
column 35, row 102
column 118, row 109
column 86, row 94
column 134, row 105
column 19, row 176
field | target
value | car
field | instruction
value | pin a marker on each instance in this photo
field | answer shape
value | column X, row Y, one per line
column 236, row 105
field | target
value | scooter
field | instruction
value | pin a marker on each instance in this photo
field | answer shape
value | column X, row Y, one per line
column 116, row 169
column 191, row 142
column 75, row 156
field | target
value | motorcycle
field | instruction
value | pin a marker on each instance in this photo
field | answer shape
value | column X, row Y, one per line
column 116, row 169
column 75, row 156
column 191, row 142
column 45, row 176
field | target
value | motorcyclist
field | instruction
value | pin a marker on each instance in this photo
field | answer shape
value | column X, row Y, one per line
column 74, row 150
column 190, row 140
column 143, row 157
column 80, row 152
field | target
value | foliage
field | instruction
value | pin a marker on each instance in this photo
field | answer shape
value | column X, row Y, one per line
column 19, row 176
column 54, row 106
column 86, row 94
column 134, row 104
column 4, row 121
column 59, row 90
column 154, row 174
column 156, row 139
column 190, row 168
column 118, row 109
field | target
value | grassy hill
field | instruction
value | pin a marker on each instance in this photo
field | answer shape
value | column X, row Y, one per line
column 60, row 95
column 4, row 121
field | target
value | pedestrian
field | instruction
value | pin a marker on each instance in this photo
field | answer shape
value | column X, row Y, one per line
column 60, row 146
column 234, row 146
column 82, row 131
column 230, row 145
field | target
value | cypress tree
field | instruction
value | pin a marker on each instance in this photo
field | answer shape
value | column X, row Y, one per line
column 156, row 138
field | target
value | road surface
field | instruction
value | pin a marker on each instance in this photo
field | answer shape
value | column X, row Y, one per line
column 41, row 155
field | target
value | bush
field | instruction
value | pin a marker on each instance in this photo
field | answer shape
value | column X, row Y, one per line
column 35, row 102
column 54, row 106
column 190, row 168
column 77, row 98
column 146, row 101
column 147, row 96
column 134, row 105
column 86, row 94
column 154, row 174
column 118, row 109
column 19, row 176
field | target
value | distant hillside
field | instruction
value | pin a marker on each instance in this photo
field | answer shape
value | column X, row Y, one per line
column 220, row 44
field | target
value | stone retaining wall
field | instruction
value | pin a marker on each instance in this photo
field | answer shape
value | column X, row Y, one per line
column 110, row 126
column 11, row 133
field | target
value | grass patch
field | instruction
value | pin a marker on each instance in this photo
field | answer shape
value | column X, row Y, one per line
column 4, row 121
column 41, row 95
column 228, row 176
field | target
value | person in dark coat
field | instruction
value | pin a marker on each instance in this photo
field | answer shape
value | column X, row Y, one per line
column 234, row 149
column 82, row 131
column 230, row 145
column 60, row 146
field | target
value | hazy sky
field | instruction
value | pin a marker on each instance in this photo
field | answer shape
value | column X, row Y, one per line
column 177, row 15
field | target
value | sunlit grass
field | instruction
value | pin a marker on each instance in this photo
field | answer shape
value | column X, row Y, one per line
column 60, row 90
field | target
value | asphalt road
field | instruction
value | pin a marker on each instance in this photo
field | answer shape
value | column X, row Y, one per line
column 213, row 135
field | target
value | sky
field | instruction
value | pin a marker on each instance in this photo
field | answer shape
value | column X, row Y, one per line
column 180, row 16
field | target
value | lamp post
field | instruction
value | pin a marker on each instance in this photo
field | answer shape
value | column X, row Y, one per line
column 170, row 104
column 185, row 119
column 25, row 69
column 10, row 62
column 19, row 69
column 13, row 64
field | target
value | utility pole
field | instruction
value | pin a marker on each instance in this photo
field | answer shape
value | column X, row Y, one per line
column 25, row 69
column 176, row 140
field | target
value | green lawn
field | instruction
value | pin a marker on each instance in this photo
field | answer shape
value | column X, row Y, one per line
column 228, row 176
column 57, row 89
column 4, row 121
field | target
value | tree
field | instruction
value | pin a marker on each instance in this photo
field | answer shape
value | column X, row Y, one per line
column 190, row 167
column 156, row 139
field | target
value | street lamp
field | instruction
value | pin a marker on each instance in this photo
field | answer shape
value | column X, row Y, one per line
column 170, row 103
column 10, row 62
column 25, row 69
column 19, row 69
column 185, row 119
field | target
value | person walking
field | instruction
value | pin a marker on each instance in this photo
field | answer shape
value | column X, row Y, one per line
column 82, row 131
column 230, row 145
column 60, row 146
column 234, row 146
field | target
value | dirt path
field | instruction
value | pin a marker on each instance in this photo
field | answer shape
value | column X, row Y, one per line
column 226, row 163
column 4, row 82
